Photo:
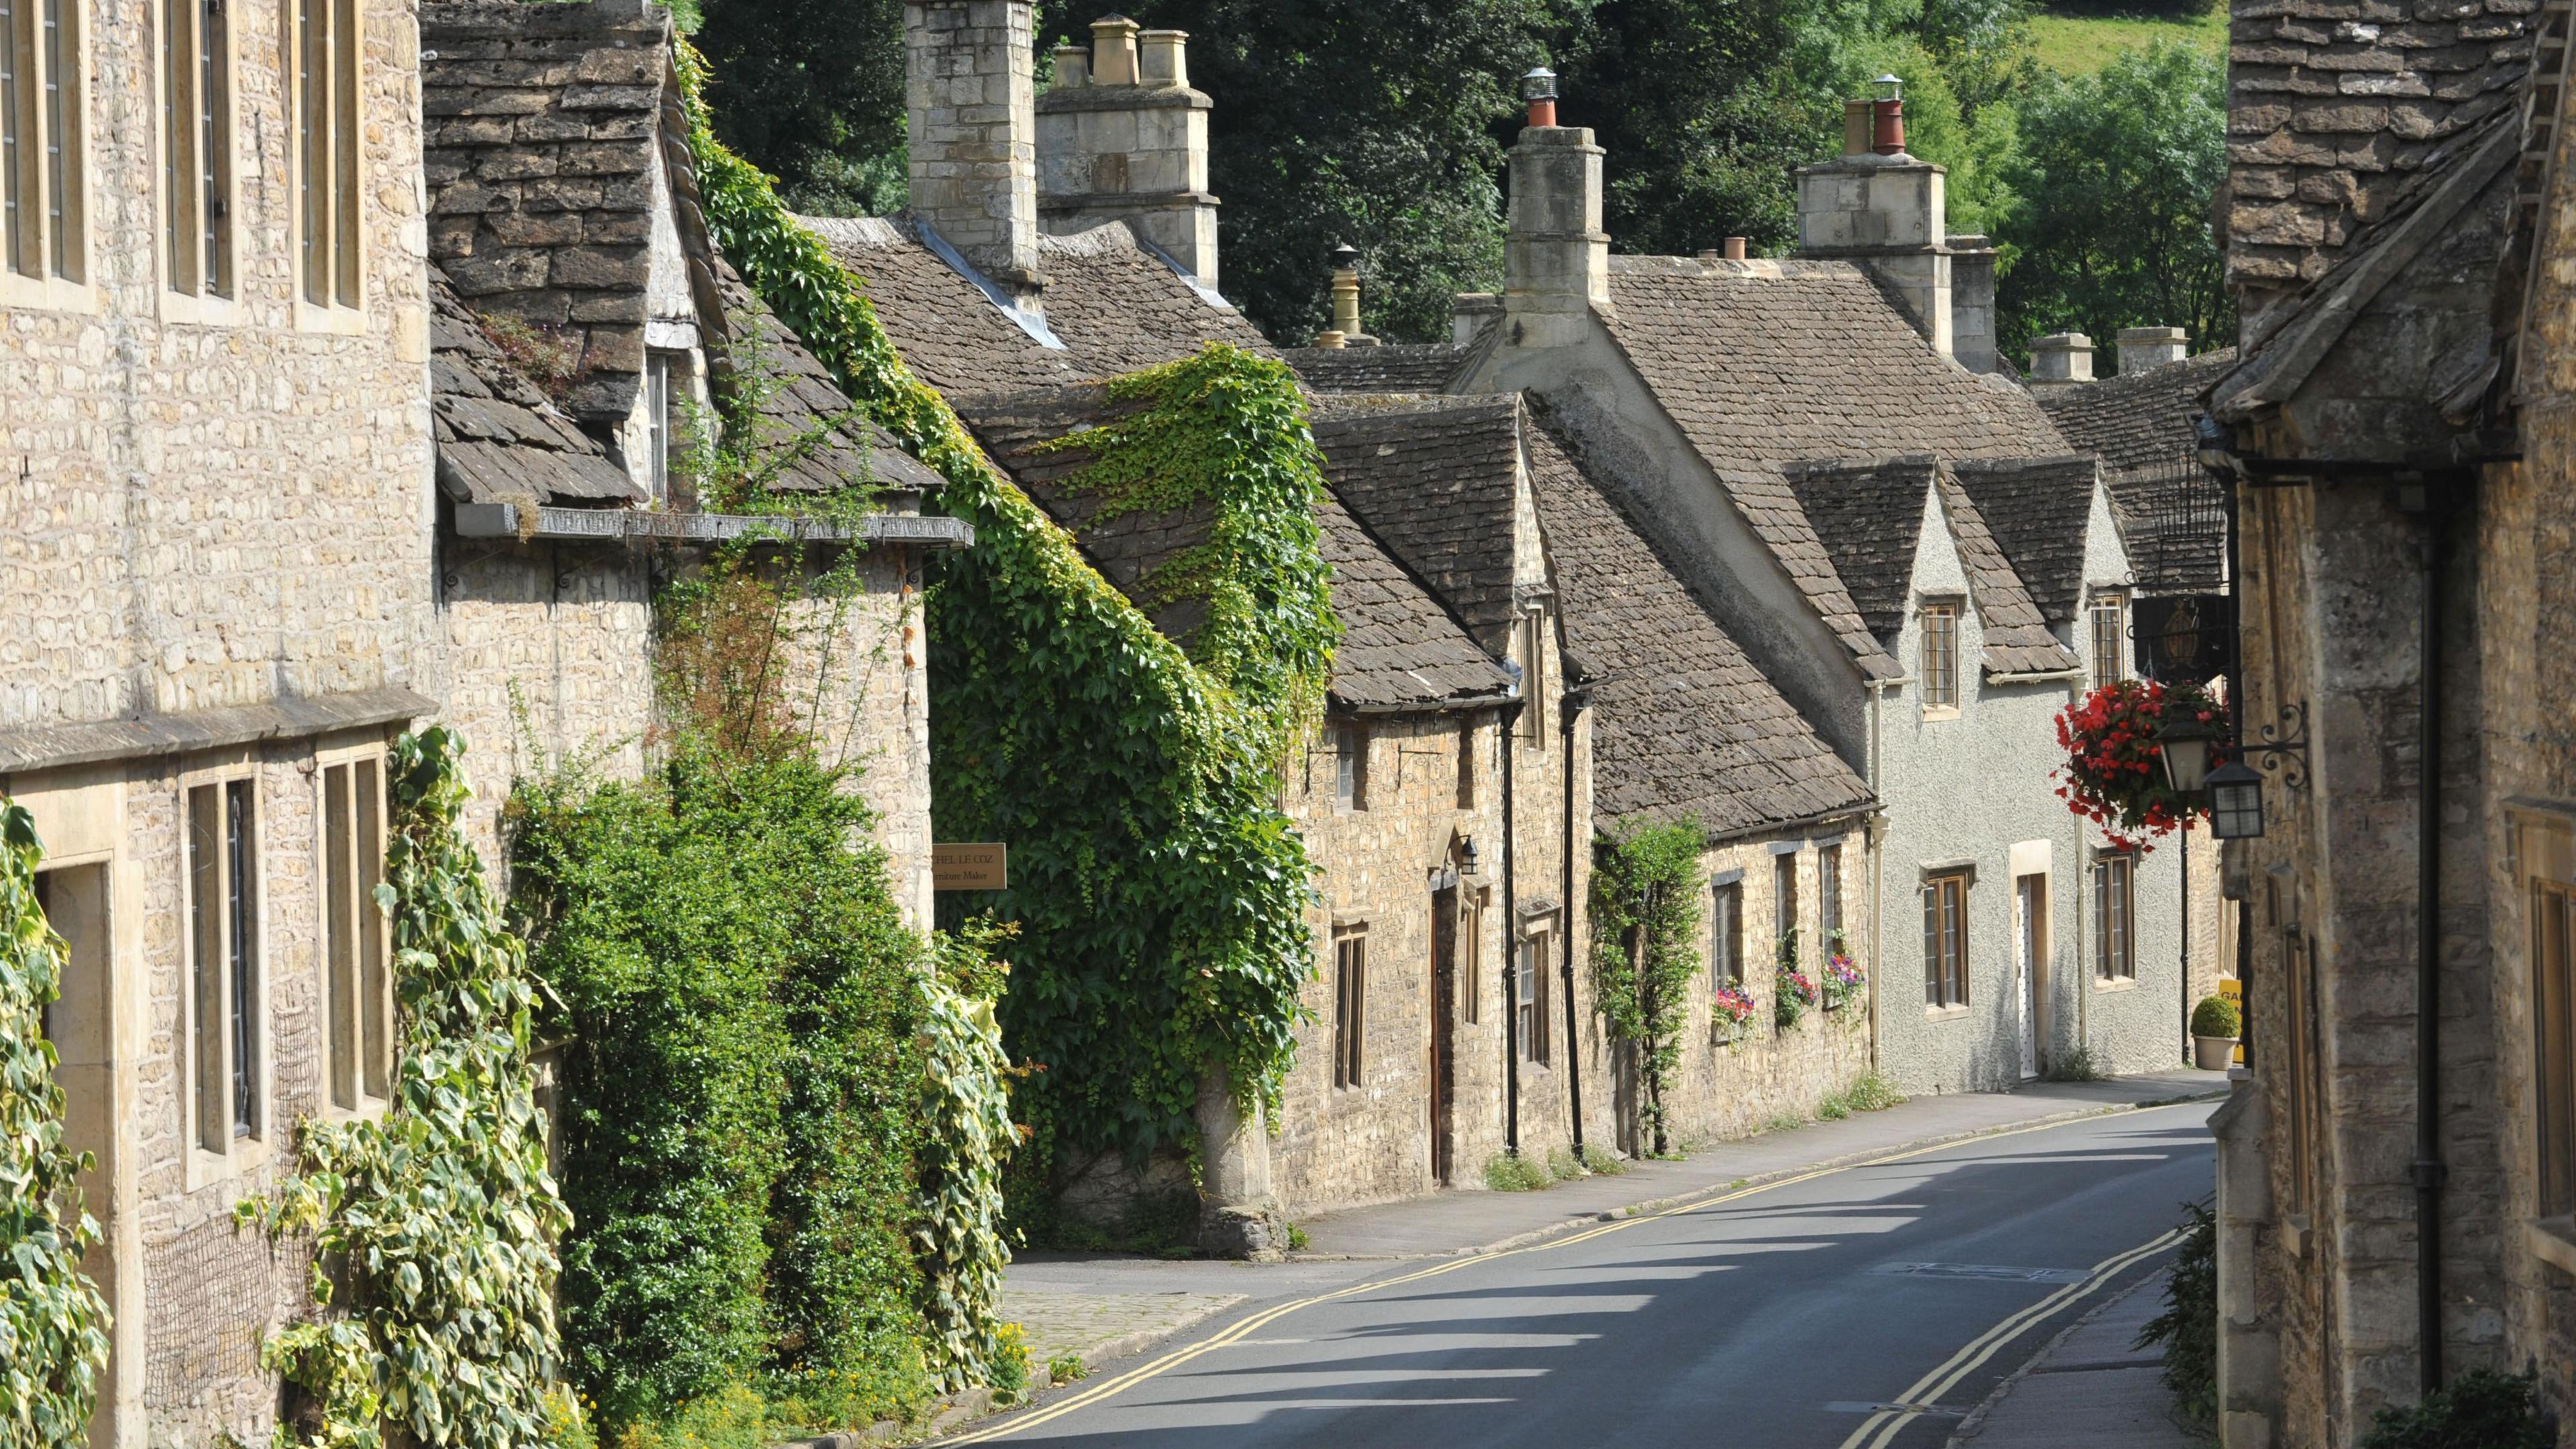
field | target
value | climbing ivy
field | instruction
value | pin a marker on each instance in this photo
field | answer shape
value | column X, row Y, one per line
column 53, row 1323
column 440, row 1219
column 1160, row 889
column 1645, row 917
column 967, row 1141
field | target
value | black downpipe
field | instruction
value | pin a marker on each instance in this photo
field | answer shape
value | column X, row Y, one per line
column 2429, row 1170
column 1511, row 948
column 2185, row 852
column 1565, row 928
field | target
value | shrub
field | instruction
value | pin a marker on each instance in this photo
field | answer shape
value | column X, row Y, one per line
column 1600, row 1163
column 2216, row 1016
column 1645, row 916
column 1512, row 1172
column 2481, row 1410
column 1869, row 1092
column 2188, row 1328
column 2079, row 1064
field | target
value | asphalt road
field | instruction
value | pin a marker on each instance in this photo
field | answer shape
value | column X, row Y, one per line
column 1857, row 1308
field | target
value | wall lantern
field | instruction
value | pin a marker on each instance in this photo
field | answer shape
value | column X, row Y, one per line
column 2235, row 802
column 2184, row 743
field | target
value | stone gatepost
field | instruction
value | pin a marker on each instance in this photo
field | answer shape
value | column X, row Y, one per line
column 1238, row 1217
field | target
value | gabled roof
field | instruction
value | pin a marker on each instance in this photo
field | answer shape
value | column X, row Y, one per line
column 812, row 437
column 1397, row 368
column 544, row 129
column 2137, row 419
column 1439, row 480
column 2039, row 510
column 948, row 330
column 1870, row 513
column 1401, row 649
column 1685, row 728
column 1120, row 307
column 499, row 439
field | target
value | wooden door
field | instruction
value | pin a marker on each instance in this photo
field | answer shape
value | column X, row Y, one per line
column 1444, row 1022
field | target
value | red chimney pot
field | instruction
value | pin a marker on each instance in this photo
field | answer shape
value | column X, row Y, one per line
column 1889, row 138
column 1543, row 112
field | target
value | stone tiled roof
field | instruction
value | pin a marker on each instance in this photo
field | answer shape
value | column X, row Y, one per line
column 948, row 331
column 1766, row 362
column 1686, row 728
column 543, row 124
column 1396, row 368
column 1402, row 650
column 1439, row 480
column 2039, row 510
column 2333, row 107
column 2017, row 637
column 500, row 440
column 807, row 431
column 1120, row 307
column 2137, row 419
column 1869, row 516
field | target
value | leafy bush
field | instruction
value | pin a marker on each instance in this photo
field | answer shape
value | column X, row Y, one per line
column 2078, row 1064
column 2481, row 1410
column 2188, row 1328
column 53, row 1322
column 2216, row 1016
column 1869, row 1092
column 1645, row 915
column 1516, row 1172
column 1600, row 1163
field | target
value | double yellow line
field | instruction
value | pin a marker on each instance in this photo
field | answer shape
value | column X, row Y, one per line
column 1882, row 1427
column 1111, row 1387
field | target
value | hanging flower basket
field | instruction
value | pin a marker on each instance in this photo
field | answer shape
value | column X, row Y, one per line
column 1731, row 1010
column 2114, row 773
column 1843, row 980
column 1793, row 991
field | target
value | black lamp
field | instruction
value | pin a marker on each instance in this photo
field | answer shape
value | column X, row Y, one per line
column 2235, row 802
column 2184, row 743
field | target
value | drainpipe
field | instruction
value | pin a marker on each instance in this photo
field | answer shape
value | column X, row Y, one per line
column 2428, row 1168
column 1572, row 702
column 1511, row 942
column 2184, row 955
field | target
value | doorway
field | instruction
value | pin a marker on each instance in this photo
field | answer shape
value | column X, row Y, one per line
column 81, row 1025
column 1444, row 1024
column 2030, row 969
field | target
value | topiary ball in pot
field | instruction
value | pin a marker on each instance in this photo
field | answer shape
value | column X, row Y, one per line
column 2214, row 1025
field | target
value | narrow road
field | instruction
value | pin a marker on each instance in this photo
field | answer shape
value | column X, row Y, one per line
column 1857, row 1308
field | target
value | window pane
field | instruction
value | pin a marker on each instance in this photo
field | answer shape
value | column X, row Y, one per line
column 340, row 946
column 208, row 1076
column 375, row 988
column 1829, row 889
column 239, row 844
column 1932, row 943
column 62, row 134
column 312, row 126
column 2555, row 1046
column 344, row 149
column 215, row 141
column 13, row 223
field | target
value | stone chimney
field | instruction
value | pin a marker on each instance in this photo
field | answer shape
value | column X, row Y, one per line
column 1972, row 303
column 1470, row 313
column 1122, row 137
column 969, row 95
column 1556, row 257
column 2143, row 348
column 1878, row 206
column 2061, row 357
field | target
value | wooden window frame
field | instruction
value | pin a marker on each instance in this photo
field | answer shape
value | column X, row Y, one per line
column 329, row 250
column 2107, row 621
column 1350, row 1008
column 1829, row 894
column 196, row 159
column 1945, row 940
column 1471, row 953
column 224, row 1002
column 359, row 1023
column 1533, row 645
column 1938, row 663
column 1726, row 934
column 46, row 241
column 1466, row 798
column 2115, row 918
column 1784, row 899
column 1530, row 994
column 1350, row 768
column 2544, row 865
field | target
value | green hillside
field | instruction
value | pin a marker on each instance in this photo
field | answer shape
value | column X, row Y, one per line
column 2073, row 40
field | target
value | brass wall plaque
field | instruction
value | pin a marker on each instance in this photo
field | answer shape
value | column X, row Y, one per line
column 970, row 867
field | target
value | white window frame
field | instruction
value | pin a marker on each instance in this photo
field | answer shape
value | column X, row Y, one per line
column 371, row 1080
column 2115, row 931
column 332, row 314
column 197, row 302
column 1533, row 958
column 46, row 288
column 1940, row 688
column 2112, row 665
column 241, row 1150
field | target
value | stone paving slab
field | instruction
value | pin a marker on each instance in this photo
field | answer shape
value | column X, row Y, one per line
column 1465, row 1220
column 2092, row 1386
column 1100, row 1327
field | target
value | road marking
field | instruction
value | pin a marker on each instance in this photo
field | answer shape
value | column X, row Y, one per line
column 1978, row 1271
column 1881, row 1428
column 1242, row 1331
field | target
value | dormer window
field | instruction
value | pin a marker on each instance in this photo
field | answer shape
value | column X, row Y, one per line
column 657, row 427
column 2110, row 620
column 1940, row 662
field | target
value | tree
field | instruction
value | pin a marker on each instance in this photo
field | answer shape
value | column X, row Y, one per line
column 812, row 94
column 2110, row 227
column 1645, row 915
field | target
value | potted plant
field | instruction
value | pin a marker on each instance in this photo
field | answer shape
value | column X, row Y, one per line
column 2214, row 1024
column 1730, row 1011
column 1792, row 990
column 2114, row 772
column 1843, row 978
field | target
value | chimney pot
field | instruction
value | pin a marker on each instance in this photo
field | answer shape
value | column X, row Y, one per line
column 1346, row 300
column 1539, row 89
column 1072, row 67
column 1334, row 340
column 1113, row 51
column 1888, row 132
column 1735, row 249
column 2062, row 357
column 2145, row 348
column 1166, row 57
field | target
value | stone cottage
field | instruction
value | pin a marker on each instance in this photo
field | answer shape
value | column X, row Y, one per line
column 1696, row 390
column 2395, row 1173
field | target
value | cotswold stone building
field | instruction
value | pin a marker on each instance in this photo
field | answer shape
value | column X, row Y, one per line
column 2395, row 1174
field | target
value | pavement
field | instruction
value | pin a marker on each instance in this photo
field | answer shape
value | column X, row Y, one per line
column 2093, row 1375
column 1806, row 1292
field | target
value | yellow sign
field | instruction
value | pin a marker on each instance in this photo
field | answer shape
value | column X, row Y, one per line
column 970, row 867
column 2232, row 991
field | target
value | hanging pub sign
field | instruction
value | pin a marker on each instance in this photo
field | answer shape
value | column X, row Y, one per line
column 2183, row 638
column 970, row 867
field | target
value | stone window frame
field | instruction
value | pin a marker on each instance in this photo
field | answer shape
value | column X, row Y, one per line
column 342, row 309
column 186, row 291
column 1350, row 1006
column 243, row 1151
column 1533, row 951
column 2541, row 862
column 1939, row 671
column 51, row 282
column 2115, row 948
column 1726, row 929
column 1532, row 648
column 1829, row 893
column 2111, row 607
column 371, row 1073
column 1350, row 767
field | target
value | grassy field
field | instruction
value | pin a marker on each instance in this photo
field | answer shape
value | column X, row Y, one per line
column 2075, row 42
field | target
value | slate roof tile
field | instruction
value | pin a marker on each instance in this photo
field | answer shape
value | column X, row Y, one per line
column 1406, row 368
column 948, row 331
column 1869, row 516
column 1121, row 308
column 2017, row 637
column 807, row 428
column 499, row 439
column 1438, row 479
column 2039, row 510
column 2137, row 419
